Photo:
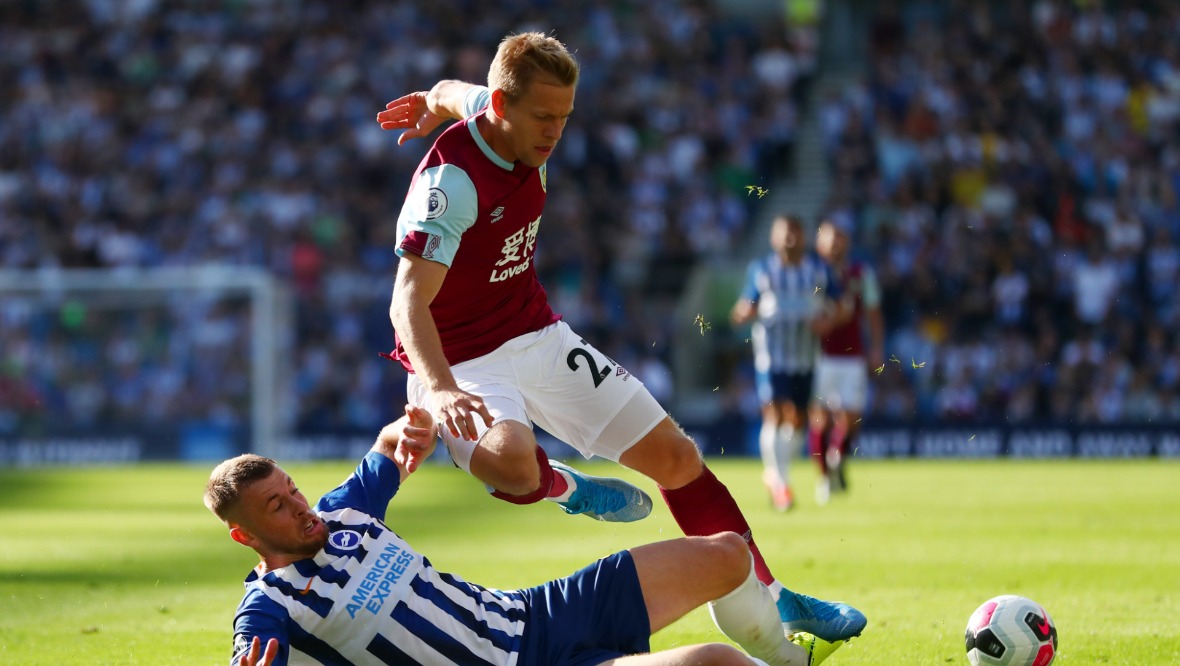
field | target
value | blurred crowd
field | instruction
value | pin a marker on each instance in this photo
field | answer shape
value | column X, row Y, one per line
column 1012, row 170
column 156, row 133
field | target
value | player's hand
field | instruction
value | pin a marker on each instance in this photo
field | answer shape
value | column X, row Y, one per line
column 742, row 312
column 417, row 439
column 254, row 658
column 411, row 113
column 457, row 410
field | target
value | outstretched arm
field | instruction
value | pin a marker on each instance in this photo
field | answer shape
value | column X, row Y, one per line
column 743, row 311
column 408, row 441
column 420, row 113
column 746, row 307
column 418, row 282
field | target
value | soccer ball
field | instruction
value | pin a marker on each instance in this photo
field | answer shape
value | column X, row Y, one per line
column 1011, row 630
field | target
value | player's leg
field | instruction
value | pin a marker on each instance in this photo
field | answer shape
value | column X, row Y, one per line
column 703, row 506
column 826, row 396
column 570, row 389
column 506, row 457
column 509, row 460
column 502, row 455
column 771, row 442
column 773, row 448
column 818, row 442
column 796, row 400
column 616, row 418
column 837, row 448
column 854, row 390
column 792, row 432
column 680, row 575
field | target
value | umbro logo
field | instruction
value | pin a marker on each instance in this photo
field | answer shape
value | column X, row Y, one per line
column 497, row 214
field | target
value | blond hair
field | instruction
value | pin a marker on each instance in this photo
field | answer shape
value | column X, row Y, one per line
column 233, row 476
column 527, row 57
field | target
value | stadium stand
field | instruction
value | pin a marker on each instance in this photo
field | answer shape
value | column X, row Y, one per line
column 1012, row 170
column 156, row 134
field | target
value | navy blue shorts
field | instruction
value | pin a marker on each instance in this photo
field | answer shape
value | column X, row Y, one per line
column 794, row 387
column 588, row 617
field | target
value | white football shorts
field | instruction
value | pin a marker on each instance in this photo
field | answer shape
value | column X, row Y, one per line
column 842, row 382
column 558, row 381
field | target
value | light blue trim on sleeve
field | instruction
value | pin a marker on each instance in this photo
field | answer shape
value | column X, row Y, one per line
column 442, row 203
column 475, row 99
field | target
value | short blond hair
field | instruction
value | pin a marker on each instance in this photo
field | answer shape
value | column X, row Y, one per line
column 233, row 476
column 527, row 57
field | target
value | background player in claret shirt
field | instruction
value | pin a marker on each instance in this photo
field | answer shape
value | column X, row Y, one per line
column 790, row 296
column 488, row 357
column 841, row 373
column 335, row 585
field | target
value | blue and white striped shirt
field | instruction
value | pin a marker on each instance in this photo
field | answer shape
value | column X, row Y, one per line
column 368, row 598
column 788, row 299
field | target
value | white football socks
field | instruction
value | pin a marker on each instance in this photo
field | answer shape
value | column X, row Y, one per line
column 749, row 617
column 791, row 441
column 772, row 445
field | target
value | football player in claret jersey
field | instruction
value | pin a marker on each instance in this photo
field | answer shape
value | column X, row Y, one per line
column 842, row 371
column 488, row 357
column 335, row 585
column 791, row 297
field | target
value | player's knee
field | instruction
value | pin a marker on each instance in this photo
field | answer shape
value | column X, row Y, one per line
column 730, row 558
column 511, row 471
column 520, row 477
column 666, row 455
column 682, row 462
column 685, row 455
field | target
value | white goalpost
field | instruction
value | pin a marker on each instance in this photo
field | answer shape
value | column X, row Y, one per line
column 179, row 293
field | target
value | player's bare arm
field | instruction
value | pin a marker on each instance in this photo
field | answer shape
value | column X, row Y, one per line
column 743, row 311
column 420, row 113
column 408, row 441
column 418, row 282
column 256, row 657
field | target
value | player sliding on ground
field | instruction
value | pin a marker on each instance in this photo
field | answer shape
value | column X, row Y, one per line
column 336, row 585
column 488, row 357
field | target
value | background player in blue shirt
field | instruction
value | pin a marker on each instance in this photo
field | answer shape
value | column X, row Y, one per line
column 335, row 585
column 790, row 295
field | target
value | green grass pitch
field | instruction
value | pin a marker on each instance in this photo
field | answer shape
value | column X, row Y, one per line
column 125, row 566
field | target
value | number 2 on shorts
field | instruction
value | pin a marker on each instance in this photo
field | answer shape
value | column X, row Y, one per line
column 597, row 375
